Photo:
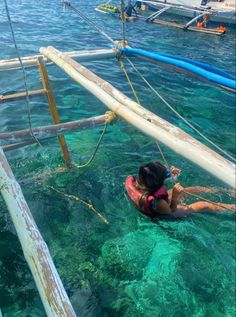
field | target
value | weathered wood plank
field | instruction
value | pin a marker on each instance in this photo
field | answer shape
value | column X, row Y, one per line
column 21, row 95
column 82, row 56
column 49, row 131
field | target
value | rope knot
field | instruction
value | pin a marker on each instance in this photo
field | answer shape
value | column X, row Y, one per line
column 110, row 117
column 122, row 43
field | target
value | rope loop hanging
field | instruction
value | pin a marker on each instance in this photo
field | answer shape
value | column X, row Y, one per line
column 111, row 118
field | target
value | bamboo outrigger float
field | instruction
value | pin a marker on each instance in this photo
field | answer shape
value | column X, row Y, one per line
column 53, row 295
column 49, row 285
column 32, row 61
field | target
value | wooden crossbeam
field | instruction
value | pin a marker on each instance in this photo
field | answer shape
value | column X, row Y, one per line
column 50, row 131
column 22, row 95
column 82, row 56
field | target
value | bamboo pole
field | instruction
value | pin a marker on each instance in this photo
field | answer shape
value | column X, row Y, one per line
column 22, row 95
column 166, row 133
column 53, row 109
column 14, row 146
column 51, row 130
column 82, row 56
column 134, row 106
column 49, row 285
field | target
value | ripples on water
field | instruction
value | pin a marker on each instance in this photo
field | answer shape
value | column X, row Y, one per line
column 131, row 267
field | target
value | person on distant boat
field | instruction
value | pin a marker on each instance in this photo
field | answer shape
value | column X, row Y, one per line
column 130, row 8
column 150, row 196
column 205, row 21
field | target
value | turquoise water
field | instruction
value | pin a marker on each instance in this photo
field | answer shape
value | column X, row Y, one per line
column 131, row 267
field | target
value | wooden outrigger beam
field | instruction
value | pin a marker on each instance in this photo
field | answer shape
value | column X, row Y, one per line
column 145, row 121
column 14, row 146
column 22, row 95
column 49, row 285
column 156, row 14
column 189, row 28
column 32, row 61
column 50, row 131
column 201, row 15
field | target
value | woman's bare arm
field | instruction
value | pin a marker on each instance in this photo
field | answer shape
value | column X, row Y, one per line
column 163, row 207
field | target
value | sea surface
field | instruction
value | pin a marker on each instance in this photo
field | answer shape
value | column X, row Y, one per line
column 131, row 267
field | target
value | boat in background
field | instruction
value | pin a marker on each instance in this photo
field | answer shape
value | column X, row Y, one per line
column 199, row 23
column 220, row 11
column 106, row 8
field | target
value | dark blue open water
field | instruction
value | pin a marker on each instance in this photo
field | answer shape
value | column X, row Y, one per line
column 131, row 267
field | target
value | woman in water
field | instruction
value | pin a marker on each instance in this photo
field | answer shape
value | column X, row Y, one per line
column 150, row 195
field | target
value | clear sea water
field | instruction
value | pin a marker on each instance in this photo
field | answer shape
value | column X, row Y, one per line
column 131, row 267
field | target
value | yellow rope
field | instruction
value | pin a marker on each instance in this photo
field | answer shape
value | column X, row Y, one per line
column 44, row 175
column 76, row 198
column 95, row 151
column 163, row 156
column 122, row 65
column 207, row 200
column 110, row 118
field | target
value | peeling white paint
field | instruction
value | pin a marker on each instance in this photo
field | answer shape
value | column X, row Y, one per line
column 49, row 285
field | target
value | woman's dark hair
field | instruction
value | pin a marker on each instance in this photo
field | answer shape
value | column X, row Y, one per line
column 152, row 176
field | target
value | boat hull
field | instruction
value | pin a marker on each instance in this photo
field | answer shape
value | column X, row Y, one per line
column 225, row 17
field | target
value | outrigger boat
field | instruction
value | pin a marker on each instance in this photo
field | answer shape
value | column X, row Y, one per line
column 198, row 23
column 222, row 12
